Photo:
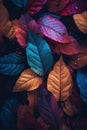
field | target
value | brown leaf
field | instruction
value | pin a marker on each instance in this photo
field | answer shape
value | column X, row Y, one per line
column 69, row 108
column 32, row 97
column 60, row 81
column 81, row 21
column 56, row 5
column 64, row 126
column 78, row 61
column 27, row 81
column 4, row 17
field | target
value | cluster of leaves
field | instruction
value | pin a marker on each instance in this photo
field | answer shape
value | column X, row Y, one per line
column 40, row 62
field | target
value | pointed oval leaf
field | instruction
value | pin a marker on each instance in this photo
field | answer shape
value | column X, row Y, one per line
column 81, row 21
column 70, row 48
column 11, row 64
column 29, row 23
column 53, row 28
column 79, row 60
column 27, row 81
column 48, row 108
column 60, row 81
column 34, row 6
column 38, row 54
column 56, row 5
column 82, row 84
column 26, row 23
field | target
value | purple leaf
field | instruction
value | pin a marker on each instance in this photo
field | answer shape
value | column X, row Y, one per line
column 49, row 109
column 26, row 23
column 53, row 28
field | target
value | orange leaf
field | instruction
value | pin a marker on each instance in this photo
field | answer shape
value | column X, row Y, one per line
column 60, row 81
column 81, row 21
column 27, row 81
column 78, row 61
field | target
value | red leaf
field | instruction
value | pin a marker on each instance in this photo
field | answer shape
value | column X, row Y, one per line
column 25, row 119
column 70, row 48
column 56, row 5
column 53, row 28
column 35, row 6
column 21, row 35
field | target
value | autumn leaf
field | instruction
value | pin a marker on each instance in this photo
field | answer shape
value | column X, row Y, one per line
column 81, row 21
column 34, row 6
column 79, row 60
column 4, row 17
column 25, row 23
column 27, row 81
column 52, row 28
column 60, row 81
column 70, row 48
column 56, row 5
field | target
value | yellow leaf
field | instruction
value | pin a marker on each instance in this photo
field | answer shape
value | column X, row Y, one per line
column 60, row 81
column 27, row 81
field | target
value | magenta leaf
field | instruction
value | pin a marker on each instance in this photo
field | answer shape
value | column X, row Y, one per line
column 35, row 6
column 53, row 28
column 49, row 109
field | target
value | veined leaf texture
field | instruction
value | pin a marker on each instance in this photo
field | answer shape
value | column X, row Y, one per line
column 60, row 81
column 39, row 54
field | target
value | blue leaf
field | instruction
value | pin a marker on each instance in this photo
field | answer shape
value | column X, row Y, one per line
column 82, row 84
column 11, row 64
column 38, row 54
column 20, row 3
column 8, row 115
column 49, row 108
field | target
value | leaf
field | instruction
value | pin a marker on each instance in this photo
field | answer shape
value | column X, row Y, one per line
column 70, row 48
column 26, row 121
column 60, row 81
column 4, row 17
column 27, row 81
column 82, row 84
column 11, row 64
column 34, row 6
column 38, row 54
column 49, row 109
column 25, row 23
column 81, row 21
column 79, row 60
column 32, row 98
column 53, row 28
column 11, row 29
column 20, row 3
column 56, row 5
column 8, row 114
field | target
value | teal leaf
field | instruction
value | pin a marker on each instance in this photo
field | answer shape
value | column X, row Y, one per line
column 39, row 54
column 11, row 64
column 20, row 3
column 82, row 84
